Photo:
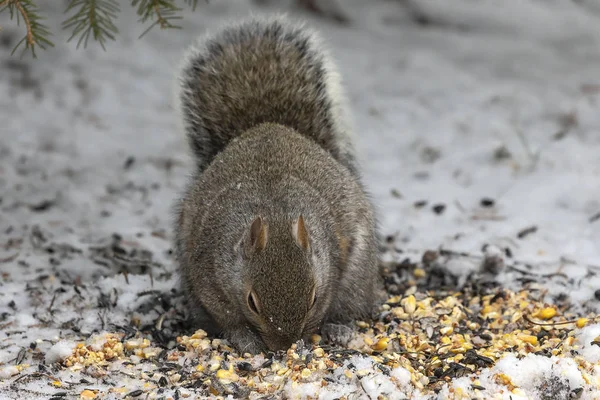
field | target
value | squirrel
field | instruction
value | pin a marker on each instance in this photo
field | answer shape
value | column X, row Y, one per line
column 275, row 233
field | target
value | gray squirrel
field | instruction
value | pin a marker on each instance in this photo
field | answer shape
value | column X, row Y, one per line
column 275, row 234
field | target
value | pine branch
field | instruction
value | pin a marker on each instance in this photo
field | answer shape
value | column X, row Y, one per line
column 161, row 12
column 92, row 17
column 37, row 33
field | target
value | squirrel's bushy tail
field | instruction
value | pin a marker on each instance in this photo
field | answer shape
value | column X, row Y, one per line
column 262, row 70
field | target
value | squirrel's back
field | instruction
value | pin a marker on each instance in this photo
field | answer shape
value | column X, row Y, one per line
column 260, row 71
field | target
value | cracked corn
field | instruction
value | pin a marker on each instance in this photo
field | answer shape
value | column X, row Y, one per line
column 434, row 338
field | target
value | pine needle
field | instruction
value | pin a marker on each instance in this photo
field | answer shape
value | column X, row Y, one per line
column 37, row 33
column 160, row 12
column 92, row 18
column 192, row 4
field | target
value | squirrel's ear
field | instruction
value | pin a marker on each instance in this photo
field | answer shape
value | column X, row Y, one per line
column 300, row 233
column 257, row 236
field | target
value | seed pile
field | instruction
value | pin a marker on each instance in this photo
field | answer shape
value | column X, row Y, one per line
column 427, row 334
column 433, row 329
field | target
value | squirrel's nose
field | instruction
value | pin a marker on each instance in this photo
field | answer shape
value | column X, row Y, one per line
column 280, row 343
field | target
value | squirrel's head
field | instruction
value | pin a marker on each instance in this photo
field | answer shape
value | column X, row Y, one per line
column 284, row 296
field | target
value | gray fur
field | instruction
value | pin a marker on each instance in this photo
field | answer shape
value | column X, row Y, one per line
column 262, row 70
column 270, row 145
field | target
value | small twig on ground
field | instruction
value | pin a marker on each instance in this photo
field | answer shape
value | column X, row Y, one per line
column 526, row 318
column 527, row 231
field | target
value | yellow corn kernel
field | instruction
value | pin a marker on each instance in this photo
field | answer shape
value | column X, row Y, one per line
column 419, row 273
column 199, row 334
column 581, row 322
column 362, row 324
column 586, row 378
column 503, row 379
column 226, row 375
column 319, row 352
column 446, row 330
column 409, row 304
column 87, row 394
column 393, row 299
column 532, row 340
column 545, row 313
column 381, row 344
column 398, row 312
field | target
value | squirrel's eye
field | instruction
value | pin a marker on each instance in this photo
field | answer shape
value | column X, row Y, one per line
column 252, row 302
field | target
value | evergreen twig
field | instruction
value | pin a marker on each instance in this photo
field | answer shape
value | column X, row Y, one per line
column 161, row 12
column 37, row 33
column 92, row 17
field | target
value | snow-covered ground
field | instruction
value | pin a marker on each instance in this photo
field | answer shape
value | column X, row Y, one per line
column 477, row 123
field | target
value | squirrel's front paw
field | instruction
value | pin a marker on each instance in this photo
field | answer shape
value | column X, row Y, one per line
column 246, row 341
column 337, row 334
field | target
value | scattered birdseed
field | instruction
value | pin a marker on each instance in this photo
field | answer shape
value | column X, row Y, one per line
column 430, row 334
column 434, row 336
column 129, row 162
column 527, row 231
column 487, row 202
column 439, row 208
column 502, row 153
column 420, row 203
column 595, row 217
column 396, row 193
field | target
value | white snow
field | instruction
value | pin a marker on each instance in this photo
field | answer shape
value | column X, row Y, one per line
column 402, row 375
column 24, row 319
column 361, row 377
column 589, row 351
column 530, row 371
column 533, row 376
column 431, row 103
column 96, row 342
column 59, row 351
column 8, row 371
